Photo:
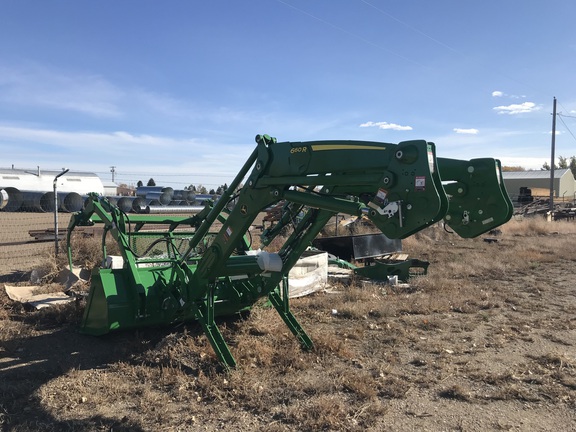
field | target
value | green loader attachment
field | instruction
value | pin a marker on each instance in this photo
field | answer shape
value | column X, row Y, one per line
column 478, row 199
column 202, row 266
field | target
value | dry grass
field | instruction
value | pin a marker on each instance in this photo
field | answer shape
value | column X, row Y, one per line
column 491, row 327
column 537, row 226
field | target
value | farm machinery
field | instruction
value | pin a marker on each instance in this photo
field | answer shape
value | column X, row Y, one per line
column 202, row 266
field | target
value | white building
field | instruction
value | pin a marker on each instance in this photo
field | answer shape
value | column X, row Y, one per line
column 564, row 183
column 43, row 181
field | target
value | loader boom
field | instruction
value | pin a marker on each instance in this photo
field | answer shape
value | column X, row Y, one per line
column 207, row 267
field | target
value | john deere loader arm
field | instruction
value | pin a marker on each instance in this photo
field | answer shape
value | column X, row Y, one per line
column 397, row 186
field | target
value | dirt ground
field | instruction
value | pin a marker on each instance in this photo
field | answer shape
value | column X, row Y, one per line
column 486, row 341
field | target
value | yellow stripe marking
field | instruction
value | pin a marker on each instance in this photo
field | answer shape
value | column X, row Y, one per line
column 323, row 147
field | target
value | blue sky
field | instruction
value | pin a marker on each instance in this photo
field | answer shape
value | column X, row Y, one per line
column 176, row 90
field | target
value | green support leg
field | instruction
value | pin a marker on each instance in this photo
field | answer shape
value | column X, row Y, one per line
column 205, row 316
column 282, row 305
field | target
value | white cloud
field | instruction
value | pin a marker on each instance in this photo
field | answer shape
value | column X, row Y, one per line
column 525, row 107
column 386, row 125
column 470, row 131
column 498, row 93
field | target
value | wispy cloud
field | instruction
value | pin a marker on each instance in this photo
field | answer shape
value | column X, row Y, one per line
column 513, row 109
column 36, row 86
column 470, row 131
column 93, row 96
column 96, row 151
column 498, row 93
column 386, row 125
column 94, row 142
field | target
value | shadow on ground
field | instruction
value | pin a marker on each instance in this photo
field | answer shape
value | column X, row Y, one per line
column 29, row 362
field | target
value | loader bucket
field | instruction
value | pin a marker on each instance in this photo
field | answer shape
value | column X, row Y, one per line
column 160, row 298
column 110, row 305
column 115, row 302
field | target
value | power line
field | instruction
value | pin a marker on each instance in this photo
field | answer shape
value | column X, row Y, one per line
column 183, row 174
column 414, row 29
column 565, row 125
column 408, row 26
column 349, row 33
column 564, row 115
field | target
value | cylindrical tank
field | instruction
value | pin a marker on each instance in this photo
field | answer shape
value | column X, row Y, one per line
column 3, row 198
column 168, row 190
column 70, row 201
column 143, row 191
column 125, row 203
column 14, row 199
column 200, row 198
column 47, row 202
column 138, row 204
column 32, row 201
column 154, row 202
column 184, row 195
column 163, row 198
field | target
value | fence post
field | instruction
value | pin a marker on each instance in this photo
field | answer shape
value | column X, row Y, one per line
column 55, row 185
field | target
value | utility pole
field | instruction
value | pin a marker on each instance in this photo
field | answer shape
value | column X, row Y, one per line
column 552, row 158
column 112, row 170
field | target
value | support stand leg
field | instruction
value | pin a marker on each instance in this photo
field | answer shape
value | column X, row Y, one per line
column 205, row 315
column 281, row 304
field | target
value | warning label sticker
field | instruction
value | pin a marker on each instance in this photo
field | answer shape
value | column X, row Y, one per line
column 420, row 183
column 227, row 234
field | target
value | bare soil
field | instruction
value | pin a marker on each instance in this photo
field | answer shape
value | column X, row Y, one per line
column 486, row 341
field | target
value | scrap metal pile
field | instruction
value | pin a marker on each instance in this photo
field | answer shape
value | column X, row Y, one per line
column 531, row 204
column 202, row 265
